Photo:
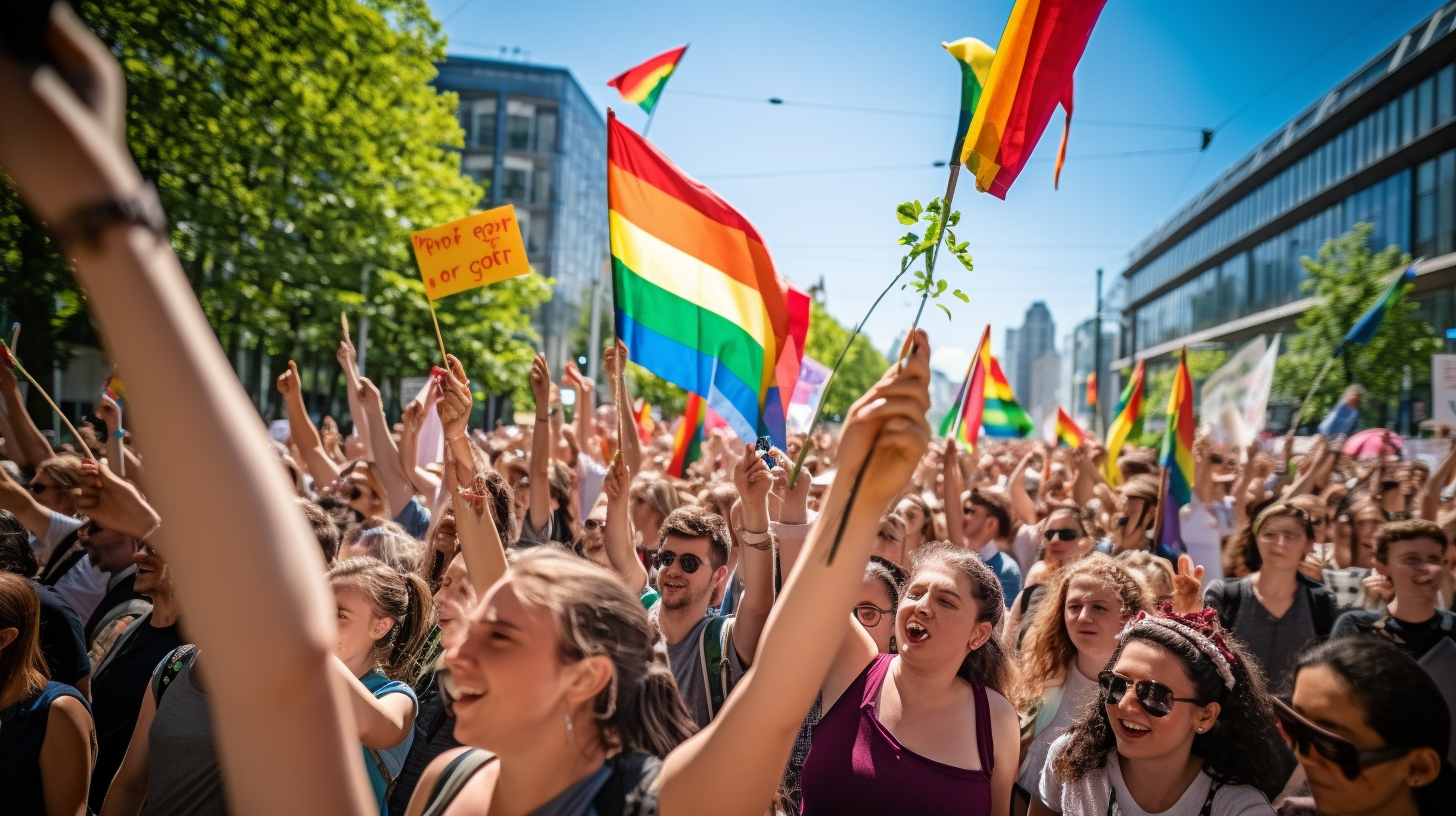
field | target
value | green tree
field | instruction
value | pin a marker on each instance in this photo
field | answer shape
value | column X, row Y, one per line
column 862, row 367
column 295, row 147
column 1345, row 280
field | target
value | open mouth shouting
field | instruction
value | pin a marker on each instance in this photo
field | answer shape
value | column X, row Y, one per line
column 915, row 632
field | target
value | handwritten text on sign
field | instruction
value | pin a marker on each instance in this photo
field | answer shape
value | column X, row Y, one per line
column 474, row 251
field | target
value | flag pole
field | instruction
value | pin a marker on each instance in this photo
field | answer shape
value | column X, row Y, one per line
column 438, row 337
column 15, row 362
column 655, row 102
column 1158, row 519
column 617, row 394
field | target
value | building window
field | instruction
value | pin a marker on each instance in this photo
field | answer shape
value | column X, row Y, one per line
column 479, row 168
column 1426, row 105
column 482, row 135
column 1443, row 94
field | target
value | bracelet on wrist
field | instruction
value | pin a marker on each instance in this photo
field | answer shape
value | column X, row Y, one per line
column 85, row 225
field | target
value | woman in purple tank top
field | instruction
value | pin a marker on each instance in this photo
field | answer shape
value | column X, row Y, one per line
column 925, row 731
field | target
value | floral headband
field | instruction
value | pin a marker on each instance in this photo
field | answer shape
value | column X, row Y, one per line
column 1198, row 628
column 373, row 531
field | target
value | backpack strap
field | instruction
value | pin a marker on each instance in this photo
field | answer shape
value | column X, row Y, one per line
column 1321, row 605
column 624, row 791
column 713, row 644
column 453, row 778
column 65, row 556
column 1229, row 598
column 172, row 666
column 384, row 774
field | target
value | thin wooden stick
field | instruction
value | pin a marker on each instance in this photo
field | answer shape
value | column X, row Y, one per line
column 15, row 361
column 436, row 321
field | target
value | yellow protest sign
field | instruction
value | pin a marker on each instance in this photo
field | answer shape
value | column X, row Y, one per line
column 477, row 250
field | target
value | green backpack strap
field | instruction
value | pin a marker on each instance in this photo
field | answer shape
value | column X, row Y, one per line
column 171, row 667
column 713, row 644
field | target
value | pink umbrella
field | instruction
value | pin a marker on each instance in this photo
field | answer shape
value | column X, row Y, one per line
column 1373, row 442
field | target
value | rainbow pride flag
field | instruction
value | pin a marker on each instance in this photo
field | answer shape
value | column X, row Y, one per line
column 698, row 301
column 643, row 84
column 975, row 59
column 1365, row 327
column 1127, row 422
column 1177, row 457
column 1067, row 432
column 985, row 402
column 687, row 441
column 1030, row 76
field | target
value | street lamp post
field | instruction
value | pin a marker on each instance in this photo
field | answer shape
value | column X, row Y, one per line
column 1097, row 360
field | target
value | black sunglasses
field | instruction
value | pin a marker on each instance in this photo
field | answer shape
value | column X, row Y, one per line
column 1155, row 698
column 1303, row 735
column 662, row 559
column 37, row 488
column 593, row 524
column 869, row 614
column 1064, row 534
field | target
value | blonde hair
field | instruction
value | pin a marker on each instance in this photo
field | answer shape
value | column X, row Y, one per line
column 1047, row 651
column 658, row 492
column 390, row 543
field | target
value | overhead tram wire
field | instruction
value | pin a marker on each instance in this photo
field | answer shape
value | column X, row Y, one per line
column 823, row 171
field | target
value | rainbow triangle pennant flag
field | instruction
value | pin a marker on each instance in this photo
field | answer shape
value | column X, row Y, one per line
column 1176, row 457
column 1030, row 75
column 985, row 402
column 1067, row 432
column 698, row 301
column 1127, row 422
column 643, row 84
column 687, row 441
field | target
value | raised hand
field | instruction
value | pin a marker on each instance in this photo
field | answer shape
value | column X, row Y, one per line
column 289, row 382
column 347, row 356
column 455, row 399
column 368, row 393
column 885, row 430
column 1187, row 586
column 614, row 358
column 114, row 503
column 541, row 385
column 753, row 479
column 108, row 412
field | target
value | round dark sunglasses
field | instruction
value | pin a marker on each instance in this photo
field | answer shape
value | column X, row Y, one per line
column 1065, row 534
column 662, row 559
column 1155, row 698
column 1304, row 735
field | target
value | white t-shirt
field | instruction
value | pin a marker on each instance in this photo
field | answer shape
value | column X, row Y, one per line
column 84, row 585
column 1025, row 546
column 1074, row 694
column 1091, row 795
column 1199, row 526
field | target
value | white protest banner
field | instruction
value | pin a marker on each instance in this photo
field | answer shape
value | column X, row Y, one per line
column 1261, row 381
column 1443, row 388
column 1225, row 393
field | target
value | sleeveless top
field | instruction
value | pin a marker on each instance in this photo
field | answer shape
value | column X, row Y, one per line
column 22, row 733
column 625, row 785
column 857, row 766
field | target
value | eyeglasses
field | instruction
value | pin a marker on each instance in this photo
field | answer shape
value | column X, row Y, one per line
column 1155, row 698
column 869, row 614
column 1065, row 534
column 594, row 524
column 886, row 536
column 1216, row 458
column 662, row 559
column 1303, row 735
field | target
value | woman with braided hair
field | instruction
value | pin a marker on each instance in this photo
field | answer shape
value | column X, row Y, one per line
column 1184, row 728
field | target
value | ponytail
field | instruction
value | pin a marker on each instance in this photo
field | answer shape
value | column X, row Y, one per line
column 401, row 596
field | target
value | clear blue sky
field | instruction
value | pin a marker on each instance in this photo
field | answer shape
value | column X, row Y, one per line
column 1177, row 63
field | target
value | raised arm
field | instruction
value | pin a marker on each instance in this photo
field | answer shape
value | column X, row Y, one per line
column 301, row 428
column 538, row 515
column 586, row 406
column 617, row 536
column 128, row 464
column 952, row 486
column 480, row 541
column 28, row 447
column 22, row 505
column 753, row 480
column 614, row 358
column 269, row 667
column 884, row 438
column 398, row 489
column 1023, row 509
column 424, row 482
column 1431, row 493
column 349, row 359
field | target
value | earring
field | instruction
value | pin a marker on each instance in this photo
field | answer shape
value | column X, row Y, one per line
column 569, row 728
column 1413, row 782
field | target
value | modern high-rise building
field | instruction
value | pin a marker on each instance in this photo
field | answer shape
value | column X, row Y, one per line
column 1378, row 148
column 533, row 138
column 1080, row 346
column 1035, row 339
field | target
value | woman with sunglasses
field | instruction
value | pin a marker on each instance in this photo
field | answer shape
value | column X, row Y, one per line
column 1371, row 730
column 1072, row 639
column 1184, row 728
column 1065, row 539
column 1274, row 610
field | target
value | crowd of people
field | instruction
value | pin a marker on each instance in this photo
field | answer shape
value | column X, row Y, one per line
column 198, row 619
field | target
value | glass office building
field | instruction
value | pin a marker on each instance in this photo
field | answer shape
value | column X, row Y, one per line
column 1377, row 149
column 534, row 139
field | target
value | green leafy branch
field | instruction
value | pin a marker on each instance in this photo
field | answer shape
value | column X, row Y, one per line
column 937, row 223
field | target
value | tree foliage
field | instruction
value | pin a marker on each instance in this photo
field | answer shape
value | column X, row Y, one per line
column 295, row 147
column 862, row 367
column 1345, row 280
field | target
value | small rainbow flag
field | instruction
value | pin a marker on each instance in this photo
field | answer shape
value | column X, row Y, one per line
column 985, row 401
column 113, row 387
column 1092, row 388
column 687, row 442
column 642, row 418
column 1127, row 422
column 643, row 84
column 1068, row 432
column 1177, row 457
column 1031, row 75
